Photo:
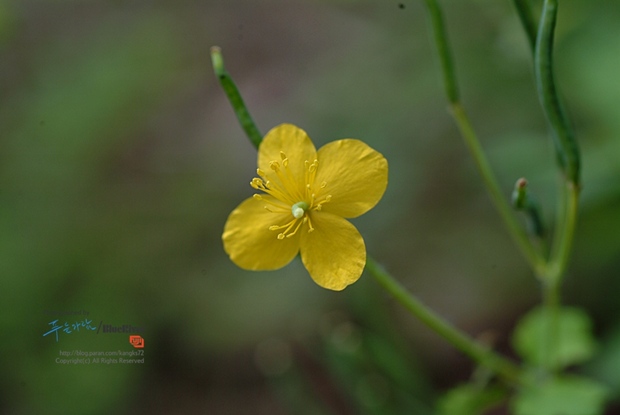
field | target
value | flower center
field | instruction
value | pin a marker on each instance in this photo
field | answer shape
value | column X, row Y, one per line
column 291, row 193
column 299, row 209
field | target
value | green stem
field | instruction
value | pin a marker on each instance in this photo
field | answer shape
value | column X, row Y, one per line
column 501, row 203
column 527, row 20
column 234, row 97
column 563, row 241
column 565, row 142
column 567, row 150
column 558, row 262
column 568, row 157
column 443, row 48
column 450, row 85
column 500, row 365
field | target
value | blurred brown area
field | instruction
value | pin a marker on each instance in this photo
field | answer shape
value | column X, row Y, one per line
column 120, row 159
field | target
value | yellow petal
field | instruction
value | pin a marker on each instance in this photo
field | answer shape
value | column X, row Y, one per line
column 356, row 177
column 249, row 242
column 295, row 144
column 334, row 253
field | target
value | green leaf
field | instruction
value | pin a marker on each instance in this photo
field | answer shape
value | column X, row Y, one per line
column 562, row 396
column 469, row 399
column 574, row 342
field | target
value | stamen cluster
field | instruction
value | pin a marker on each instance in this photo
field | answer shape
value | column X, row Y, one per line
column 289, row 195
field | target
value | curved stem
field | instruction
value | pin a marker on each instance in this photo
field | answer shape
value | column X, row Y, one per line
column 500, row 365
column 501, row 204
column 524, row 10
column 567, row 150
column 568, row 157
column 565, row 143
column 515, row 229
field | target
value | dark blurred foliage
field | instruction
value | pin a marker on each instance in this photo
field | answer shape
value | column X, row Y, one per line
column 120, row 160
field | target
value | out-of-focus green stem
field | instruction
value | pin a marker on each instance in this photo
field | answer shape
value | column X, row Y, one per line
column 567, row 151
column 501, row 204
column 500, row 365
column 243, row 115
column 552, row 279
column 563, row 240
column 527, row 20
column 558, row 261
column 443, row 48
column 515, row 229
column 566, row 146
column 568, row 157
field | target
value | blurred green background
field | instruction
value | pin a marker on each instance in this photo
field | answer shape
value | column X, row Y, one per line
column 120, row 159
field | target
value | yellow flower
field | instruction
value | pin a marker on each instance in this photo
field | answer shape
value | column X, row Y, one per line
column 306, row 194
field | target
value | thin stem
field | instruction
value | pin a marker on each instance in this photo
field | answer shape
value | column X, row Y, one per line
column 443, row 48
column 234, row 97
column 568, row 157
column 527, row 20
column 515, row 229
column 556, row 269
column 567, row 150
column 566, row 144
column 501, row 204
column 563, row 242
column 500, row 365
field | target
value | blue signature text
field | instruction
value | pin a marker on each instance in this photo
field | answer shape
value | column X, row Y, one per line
column 69, row 327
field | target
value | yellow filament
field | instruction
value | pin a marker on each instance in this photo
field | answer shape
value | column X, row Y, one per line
column 288, row 227
column 296, row 228
column 319, row 205
column 310, row 227
column 281, row 207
